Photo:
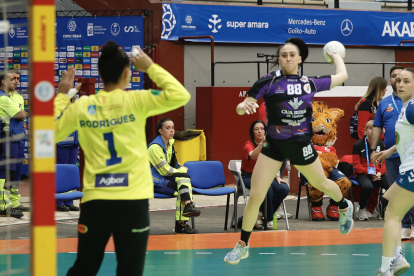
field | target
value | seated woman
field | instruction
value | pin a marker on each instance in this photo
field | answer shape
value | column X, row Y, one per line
column 278, row 190
column 170, row 177
column 366, row 173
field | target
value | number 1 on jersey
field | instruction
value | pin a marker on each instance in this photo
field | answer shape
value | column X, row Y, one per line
column 111, row 146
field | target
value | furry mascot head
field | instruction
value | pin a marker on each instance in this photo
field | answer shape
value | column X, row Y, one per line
column 324, row 124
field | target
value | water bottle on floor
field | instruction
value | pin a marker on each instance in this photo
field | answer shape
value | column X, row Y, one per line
column 275, row 221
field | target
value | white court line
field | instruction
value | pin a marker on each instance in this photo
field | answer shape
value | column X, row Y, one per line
column 176, row 253
column 110, row 252
column 298, row 253
column 324, row 254
column 267, row 253
column 360, row 254
column 202, row 253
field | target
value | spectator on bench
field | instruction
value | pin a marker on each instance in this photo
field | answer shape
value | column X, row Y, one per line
column 278, row 190
column 170, row 177
column 367, row 173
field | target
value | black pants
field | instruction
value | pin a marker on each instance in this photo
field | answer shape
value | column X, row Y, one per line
column 127, row 221
column 367, row 185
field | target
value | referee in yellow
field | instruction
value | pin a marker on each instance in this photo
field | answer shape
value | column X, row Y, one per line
column 117, row 178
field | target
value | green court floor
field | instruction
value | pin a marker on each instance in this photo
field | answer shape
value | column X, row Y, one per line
column 332, row 260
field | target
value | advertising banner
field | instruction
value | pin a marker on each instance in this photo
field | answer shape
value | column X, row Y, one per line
column 78, row 43
column 247, row 24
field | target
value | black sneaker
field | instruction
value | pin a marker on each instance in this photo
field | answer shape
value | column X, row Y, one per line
column 184, row 228
column 22, row 208
column 190, row 210
column 62, row 208
column 11, row 212
column 73, row 207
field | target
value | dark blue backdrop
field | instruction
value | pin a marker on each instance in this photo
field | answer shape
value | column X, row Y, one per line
column 249, row 24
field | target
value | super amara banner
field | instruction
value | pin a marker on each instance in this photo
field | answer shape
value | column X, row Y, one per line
column 78, row 43
column 243, row 24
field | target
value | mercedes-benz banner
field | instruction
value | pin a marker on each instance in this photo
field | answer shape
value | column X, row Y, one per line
column 247, row 24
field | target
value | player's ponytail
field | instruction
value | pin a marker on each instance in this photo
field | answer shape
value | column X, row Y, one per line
column 112, row 62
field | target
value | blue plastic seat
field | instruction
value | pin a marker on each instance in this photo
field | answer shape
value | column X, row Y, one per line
column 67, row 179
column 206, row 175
column 157, row 195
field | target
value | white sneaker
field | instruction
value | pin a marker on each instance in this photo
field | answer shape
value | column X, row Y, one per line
column 386, row 273
column 282, row 214
column 400, row 265
column 405, row 234
column 412, row 235
column 240, row 251
column 377, row 212
column 270, row 225
column 362, row 214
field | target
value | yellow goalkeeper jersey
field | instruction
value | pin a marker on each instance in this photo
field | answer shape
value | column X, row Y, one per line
column 111, row 128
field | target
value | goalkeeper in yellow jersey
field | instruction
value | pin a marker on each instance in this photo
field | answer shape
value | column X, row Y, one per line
column 117, row 180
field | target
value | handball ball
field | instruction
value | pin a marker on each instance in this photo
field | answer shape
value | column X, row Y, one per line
column 333, row 47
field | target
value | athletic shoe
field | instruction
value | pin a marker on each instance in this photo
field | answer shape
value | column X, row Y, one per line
column 400, row 265
column 281, row 214
column 412, row 235
column 362, row 214
column 405, row 233
column 345, row 220
column 73, row 208
column 190, row 210
column 377, row 211
column 11, row 212
column 184, row 228
column 270, row 225
column 62, row 208
column 386, row 273
column 317, row 214
column 332, row 212
column 22, row 208
column 240, row 251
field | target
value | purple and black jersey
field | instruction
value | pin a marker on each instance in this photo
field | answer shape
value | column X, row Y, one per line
column 288, row 101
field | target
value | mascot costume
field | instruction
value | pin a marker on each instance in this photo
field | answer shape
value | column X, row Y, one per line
column 324, row 136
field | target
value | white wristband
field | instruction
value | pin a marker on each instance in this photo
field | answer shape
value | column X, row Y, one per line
column 72, row 92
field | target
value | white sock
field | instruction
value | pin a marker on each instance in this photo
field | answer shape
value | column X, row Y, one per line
column 397, row 252
column 386, row 263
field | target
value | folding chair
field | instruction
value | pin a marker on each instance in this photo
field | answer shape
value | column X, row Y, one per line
column 235, row 169
column 303, row 183
column 206, row 175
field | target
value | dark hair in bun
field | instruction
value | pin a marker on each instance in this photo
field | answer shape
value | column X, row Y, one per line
column 112, row 62
column 300, row 45
column 160, row 124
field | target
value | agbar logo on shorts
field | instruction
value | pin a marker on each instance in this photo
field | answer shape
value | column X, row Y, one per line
column 111, row 180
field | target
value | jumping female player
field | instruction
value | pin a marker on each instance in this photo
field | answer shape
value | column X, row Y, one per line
column 288, row 97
